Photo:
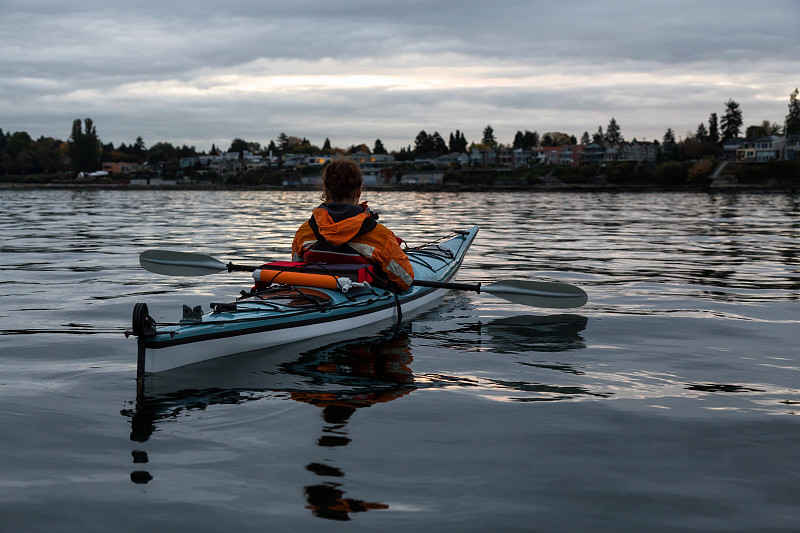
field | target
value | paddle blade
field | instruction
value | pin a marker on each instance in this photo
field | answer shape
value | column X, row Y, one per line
column 538, row 293
column 179, row 263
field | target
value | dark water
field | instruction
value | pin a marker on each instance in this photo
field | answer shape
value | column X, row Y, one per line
column 668, row 403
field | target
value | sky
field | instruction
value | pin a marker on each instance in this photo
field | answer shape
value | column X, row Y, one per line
column 202, row 72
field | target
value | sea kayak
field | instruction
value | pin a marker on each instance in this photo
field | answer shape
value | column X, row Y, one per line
column 291, row 310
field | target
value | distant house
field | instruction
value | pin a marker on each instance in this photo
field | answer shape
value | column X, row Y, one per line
column 547, row 155
column 639, row 151
column 594, row 153
column 522, row 158
column 120, row 168
column 188, row 162
column 451, row 159
column 571, row 155
column 318, row 160
column 731, row 147
column 761, row 150
column 295, row 160
column 374, row 162
column 769, row 148
column 505, row 157
column 482, row 156
column 613, row 153
column 791, row 148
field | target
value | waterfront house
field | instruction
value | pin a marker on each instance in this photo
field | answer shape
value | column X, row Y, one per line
column 482, row 156
column 571, row 155
column 761, row 150
column 120, row 168
column 791, row 147
column 522, row 158
column 547, row 155
column 639, row 151
column 731, row 147
column 451, row 159
column 769, row 148
column 594, row 153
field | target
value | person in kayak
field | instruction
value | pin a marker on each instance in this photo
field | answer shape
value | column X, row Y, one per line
column 342, row 230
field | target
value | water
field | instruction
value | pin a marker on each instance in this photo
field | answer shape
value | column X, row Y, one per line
column 668, row 403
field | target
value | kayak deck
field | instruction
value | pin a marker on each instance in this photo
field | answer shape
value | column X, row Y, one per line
column 282, row 314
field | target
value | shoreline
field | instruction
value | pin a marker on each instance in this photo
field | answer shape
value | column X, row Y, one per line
column 454, row 188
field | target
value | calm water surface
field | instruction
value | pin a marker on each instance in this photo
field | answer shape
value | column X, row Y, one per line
column 668, row 403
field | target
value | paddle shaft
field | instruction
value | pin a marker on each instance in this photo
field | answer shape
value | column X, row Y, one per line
column 475, row 287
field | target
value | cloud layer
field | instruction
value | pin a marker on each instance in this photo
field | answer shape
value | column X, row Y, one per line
column 353, row 71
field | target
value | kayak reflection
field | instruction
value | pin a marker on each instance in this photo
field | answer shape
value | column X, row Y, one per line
column 339, row 378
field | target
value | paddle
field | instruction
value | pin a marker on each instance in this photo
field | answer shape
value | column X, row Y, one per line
column 534, row 293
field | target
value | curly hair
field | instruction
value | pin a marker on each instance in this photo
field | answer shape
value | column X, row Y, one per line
column 341, row 178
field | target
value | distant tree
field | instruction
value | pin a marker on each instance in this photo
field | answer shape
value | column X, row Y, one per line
column 439, row 146
column 272, row 148
column 791, row 125
column 519, row 139
column 586, row 139
column 239, row 145
column 599, row 137
column 557, row 138
column 613, row 134
column 18, row 142
column 283, row 142
column 764, row 129
column 138, row 149
column 355, row 148
column 702, row 132
column 668, row 146
column 530, row 140
column 423, row 144
column 327, row 144
column 162, row 152
column 526, row 141
column 713, row 128
column 458, row 142
column 3, row 141
column 731, row 120
column 187, row 151
column 84, row 147
column 772, row 128
column 47, row 154
column 488, row 137
column 379, row 148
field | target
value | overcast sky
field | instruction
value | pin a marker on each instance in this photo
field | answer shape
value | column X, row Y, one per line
column 204, row 72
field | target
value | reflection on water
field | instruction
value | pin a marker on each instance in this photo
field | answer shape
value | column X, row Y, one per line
column 554, row 333
column 339, row 378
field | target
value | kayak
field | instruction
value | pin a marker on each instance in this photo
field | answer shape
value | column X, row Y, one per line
column 293, row 307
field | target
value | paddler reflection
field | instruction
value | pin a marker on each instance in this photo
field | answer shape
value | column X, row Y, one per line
column 339, row 378
column 385, row 361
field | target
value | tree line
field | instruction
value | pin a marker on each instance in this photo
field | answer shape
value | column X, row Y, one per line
column 85, row 152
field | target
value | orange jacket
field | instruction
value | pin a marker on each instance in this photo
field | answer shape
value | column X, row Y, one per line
column 355, row 226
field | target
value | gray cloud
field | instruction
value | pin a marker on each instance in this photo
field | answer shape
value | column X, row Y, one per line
column 356, row 70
